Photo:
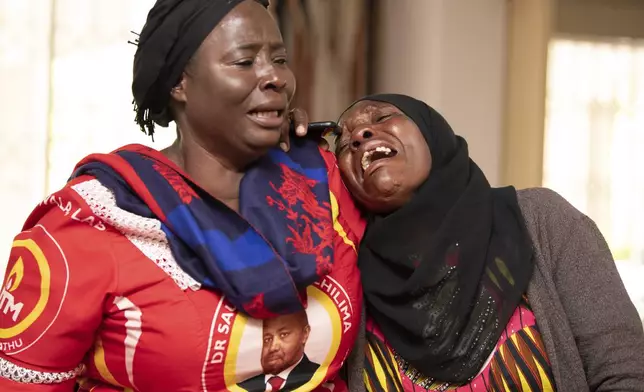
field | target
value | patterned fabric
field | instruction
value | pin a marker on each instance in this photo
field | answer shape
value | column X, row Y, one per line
column 242, row 255
column 21, row 374
column 93, row 295
column 518, row 364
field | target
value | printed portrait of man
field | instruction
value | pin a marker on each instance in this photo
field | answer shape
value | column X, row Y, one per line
column 285, row 366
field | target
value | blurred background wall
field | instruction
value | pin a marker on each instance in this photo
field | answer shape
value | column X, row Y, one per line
column 547, row 92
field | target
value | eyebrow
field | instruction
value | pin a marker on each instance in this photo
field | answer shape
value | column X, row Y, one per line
column 367, row 109
column 259, row 45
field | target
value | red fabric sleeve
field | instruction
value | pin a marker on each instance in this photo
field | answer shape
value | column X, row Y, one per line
column 60, row 271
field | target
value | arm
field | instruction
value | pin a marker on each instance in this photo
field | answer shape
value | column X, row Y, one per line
column 57, row 277
column 606, row 326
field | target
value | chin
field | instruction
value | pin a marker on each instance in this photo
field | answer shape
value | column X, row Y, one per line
column 376, row 205
column 264, row 142
column 381, row 209
column 381, row 202
column 274, row 369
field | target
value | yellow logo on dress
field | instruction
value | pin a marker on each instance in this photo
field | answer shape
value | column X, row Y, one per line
column 11, row 304
column 33, row 291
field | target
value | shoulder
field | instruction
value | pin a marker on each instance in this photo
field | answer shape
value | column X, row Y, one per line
column 306, row 365
column 67, row 227
column 544, row 203
column 548, row 215
column 344, row 208
column 557, row 227
column 69, row 208
column 329, row 157
column 253, row 383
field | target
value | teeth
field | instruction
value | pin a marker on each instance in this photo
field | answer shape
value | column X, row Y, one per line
column 366, row 157
column 366, row 160
column 386, row 150
column 273, row 113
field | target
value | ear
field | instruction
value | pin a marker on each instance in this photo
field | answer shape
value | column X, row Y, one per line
column 305, row 337
column 178, row 92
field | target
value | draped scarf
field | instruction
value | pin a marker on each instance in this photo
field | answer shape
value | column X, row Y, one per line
column 262, row 258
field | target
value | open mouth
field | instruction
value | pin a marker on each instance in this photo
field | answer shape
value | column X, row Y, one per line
column 268, row 119
column 378, row 153
column 267, row 114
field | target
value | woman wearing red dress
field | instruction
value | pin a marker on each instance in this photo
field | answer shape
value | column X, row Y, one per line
column 220, row 263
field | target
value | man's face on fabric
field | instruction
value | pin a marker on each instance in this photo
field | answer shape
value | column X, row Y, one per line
column 284, row 338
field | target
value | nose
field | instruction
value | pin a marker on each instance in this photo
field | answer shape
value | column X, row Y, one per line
column 275, row 346
column 272, row 81
column 360, row 136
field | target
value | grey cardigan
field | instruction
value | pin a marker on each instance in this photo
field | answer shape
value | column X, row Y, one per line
column 591, row 330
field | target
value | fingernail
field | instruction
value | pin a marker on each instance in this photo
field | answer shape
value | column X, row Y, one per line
column 301, row 130
column 284, row 146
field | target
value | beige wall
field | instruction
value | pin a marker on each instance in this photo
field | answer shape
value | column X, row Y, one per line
column 451, row 54
column 480, row 63
column 529, row 32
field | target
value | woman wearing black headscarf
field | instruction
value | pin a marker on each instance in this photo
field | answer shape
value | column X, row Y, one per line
column 220, row 263
column 474, row 288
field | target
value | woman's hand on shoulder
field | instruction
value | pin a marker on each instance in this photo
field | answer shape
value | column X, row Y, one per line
column 299, row 122
column 298, row 119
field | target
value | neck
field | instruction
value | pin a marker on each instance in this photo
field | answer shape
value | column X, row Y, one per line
column 218, row 176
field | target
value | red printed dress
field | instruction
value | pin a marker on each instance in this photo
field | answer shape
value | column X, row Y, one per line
column 93, row 296
column 519, row 363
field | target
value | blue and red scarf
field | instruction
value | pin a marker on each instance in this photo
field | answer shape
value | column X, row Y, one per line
column 261, row 258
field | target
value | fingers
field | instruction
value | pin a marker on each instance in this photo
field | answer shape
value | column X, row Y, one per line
column 300, row 120
column 285, row 143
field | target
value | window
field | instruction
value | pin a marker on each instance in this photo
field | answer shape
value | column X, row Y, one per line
column 594, row 142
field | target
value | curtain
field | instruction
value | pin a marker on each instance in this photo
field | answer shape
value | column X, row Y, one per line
column 594, row 142
column 329, row 43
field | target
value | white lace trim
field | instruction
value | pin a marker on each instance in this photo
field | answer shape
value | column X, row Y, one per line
column 144, row 233
column 11, row 371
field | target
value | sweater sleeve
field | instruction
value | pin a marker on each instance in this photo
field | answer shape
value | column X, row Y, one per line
column 606, row 326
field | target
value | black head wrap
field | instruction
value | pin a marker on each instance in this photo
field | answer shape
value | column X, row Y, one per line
column 173, row 32
column 443, row 274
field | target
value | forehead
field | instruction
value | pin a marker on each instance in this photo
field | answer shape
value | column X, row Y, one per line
column 248, row 24
column 362, row 111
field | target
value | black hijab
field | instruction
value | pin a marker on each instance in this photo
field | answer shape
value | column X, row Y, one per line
column 173, row 32
column 443, row 274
